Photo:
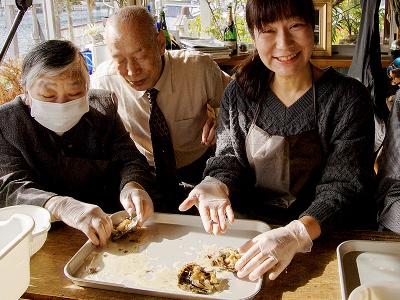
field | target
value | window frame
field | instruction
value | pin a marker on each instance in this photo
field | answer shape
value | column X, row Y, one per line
column 324, row 47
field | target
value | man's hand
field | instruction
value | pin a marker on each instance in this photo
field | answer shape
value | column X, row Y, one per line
column 135, row 199
column 209, row 129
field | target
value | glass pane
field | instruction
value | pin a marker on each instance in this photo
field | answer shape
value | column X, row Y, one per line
column 346, row 17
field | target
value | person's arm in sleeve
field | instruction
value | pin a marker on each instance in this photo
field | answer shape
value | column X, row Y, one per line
column 136, row 177
column 217, row 80
column 388, row 191
column 19, row 187
column 17, row 180
column 226, row 171
column 344, row 194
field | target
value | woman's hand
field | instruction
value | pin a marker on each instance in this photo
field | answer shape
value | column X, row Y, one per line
column 211, row 199
column 273, row 251
column 88, row 218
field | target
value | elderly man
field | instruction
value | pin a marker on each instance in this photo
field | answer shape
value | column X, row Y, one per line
column 179, row 87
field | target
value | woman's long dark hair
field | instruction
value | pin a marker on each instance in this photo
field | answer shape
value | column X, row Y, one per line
column 252, row 75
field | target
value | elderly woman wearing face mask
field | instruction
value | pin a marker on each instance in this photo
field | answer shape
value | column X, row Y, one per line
column 64, row 147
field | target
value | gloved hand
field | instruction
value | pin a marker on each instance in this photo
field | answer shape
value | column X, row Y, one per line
column 211, row 199
column 88, row 218
column 273, row 249
column 137, row 200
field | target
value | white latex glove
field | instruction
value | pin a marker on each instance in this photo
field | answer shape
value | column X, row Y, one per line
column 273, row 250
column 211, row 199
column 137, row 200
column 88, row 218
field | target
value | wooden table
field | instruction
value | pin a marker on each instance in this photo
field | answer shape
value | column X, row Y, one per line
column 313, row 275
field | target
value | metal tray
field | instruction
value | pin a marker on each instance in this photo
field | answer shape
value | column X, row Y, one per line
column 150, row 262
column 365, row 262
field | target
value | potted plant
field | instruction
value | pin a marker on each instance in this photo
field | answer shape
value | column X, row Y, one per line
column 346, row 16
column 95, row 33
column 10, row 74
column 218, row 20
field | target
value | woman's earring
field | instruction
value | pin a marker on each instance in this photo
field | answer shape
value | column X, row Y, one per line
column 254, row 53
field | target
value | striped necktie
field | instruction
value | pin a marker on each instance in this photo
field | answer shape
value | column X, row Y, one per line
column 163, row 151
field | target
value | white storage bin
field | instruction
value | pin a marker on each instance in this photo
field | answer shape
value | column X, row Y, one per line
column 15, row 234
column 40, row 216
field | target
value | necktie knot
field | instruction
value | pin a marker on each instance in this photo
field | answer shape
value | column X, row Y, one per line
column 152, row 95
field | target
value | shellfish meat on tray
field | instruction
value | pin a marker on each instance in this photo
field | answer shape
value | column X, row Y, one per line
column 224, row 259
column 200, row 276
column 122, row 228
column 193, row 278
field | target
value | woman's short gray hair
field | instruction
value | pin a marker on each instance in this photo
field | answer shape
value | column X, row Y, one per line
column 51, row 58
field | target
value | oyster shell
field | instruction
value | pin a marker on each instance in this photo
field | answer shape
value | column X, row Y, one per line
column 193, row 278
column 123, row 228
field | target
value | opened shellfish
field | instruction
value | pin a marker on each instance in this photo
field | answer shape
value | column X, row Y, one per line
column 193, row 278
column 122, row 228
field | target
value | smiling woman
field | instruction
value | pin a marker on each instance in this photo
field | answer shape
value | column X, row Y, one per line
column 294, row 139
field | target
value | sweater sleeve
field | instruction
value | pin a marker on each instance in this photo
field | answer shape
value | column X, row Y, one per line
column 230, row 164
column 134, row 166
column 388, row 191
column 344, row 195
column 17, row 183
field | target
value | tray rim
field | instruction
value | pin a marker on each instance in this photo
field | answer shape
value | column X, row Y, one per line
column 175, row 219
column 359, row 246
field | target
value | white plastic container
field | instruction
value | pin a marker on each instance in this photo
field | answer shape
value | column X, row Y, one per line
column 370, row 265
column 40, row 216
column 15, row 236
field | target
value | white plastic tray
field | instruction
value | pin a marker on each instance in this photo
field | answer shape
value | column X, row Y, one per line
column 149, row 265
column 366, row 262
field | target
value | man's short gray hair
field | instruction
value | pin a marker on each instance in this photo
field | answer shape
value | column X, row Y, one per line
column 135, row 16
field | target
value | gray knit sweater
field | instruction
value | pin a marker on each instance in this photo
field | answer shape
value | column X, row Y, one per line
column 91, row 162
column 344, row 195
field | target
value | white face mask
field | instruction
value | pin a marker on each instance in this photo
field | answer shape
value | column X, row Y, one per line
column 59, row 117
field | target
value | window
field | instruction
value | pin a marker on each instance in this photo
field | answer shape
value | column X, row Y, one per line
column 344, row 20
column 346, row 17
column 207, row 18
column 323, row 28
column 195, row 18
